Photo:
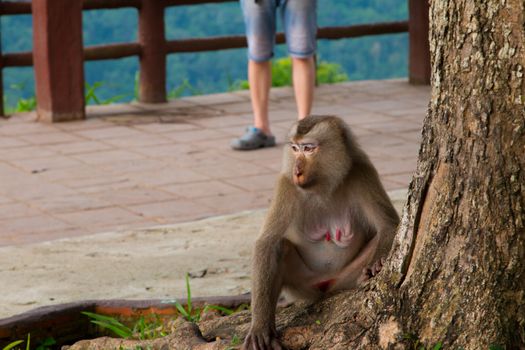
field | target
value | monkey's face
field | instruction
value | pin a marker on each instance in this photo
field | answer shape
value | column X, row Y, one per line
column 304, row 155
column 317, row 157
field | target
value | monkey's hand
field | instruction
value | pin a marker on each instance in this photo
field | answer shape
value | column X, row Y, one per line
column 261, row 339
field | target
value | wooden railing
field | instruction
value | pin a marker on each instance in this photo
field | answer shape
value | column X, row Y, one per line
column 59, row 72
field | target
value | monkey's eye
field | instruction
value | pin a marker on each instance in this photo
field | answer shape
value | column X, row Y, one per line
column 295, row 147
column 309, row 147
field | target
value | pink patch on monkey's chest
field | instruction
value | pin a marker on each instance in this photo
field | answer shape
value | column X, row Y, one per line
column 339, row 235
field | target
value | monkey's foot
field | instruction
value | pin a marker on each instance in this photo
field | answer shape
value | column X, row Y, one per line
column 373, row 270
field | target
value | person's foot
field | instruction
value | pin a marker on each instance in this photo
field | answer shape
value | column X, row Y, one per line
column 254, row 138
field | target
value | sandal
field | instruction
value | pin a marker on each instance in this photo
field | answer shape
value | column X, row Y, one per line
column 254, row 138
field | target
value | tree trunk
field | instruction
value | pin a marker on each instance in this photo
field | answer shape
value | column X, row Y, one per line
column 456, row 273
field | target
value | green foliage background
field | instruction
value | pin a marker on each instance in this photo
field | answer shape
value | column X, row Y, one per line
column 376, row 57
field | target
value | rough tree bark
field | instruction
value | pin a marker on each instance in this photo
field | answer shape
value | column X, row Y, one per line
column 456, row 273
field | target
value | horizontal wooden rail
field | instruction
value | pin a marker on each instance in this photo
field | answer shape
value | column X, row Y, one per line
column 18, row 59
column 24, row 8
column 110, row 4
column 362, row 30
column 121, row 50
column 112, row 51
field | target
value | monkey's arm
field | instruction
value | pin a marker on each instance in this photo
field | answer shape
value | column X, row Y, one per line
column 267, row 278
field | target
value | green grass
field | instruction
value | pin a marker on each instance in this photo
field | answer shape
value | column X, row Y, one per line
column 149, row 329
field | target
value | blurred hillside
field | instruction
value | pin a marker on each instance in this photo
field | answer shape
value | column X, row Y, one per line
column 375, row 57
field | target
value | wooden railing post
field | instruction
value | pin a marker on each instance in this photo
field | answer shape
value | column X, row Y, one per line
column 419, row 52
column 152, row 87
column 58, row 59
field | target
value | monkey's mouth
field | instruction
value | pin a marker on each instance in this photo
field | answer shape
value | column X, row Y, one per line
column 303, row 182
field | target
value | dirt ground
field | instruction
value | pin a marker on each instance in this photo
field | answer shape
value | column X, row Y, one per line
column 140, row 264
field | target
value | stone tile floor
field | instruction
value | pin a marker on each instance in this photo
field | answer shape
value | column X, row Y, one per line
column 137, row 165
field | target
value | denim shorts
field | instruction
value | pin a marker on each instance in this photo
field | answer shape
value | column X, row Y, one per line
column 299, row 19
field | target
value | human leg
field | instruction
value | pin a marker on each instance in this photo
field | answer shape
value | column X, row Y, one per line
column 260, row 79
column 303, row 74
column 259, row 19
column 300, row 24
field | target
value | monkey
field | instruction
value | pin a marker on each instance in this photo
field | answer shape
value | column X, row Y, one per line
column 329, row 226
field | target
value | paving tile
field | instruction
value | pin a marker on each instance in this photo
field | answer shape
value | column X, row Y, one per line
column 135, row 195
column 27, row 152
column 195, row 135
column 255, row 183
column 236, row 202
column 79, row 147
column 167, row 212
column 218, row 99
column 202, row 189
column 66, row 204
column 401, row 180
column 32, row 225
column 11, row 142
column 167, row 176
column 17, row 210
column 99, row 217
column 392, row 127
column 18, row 129
column 45, row 236
column 128, row 166
column 105, row 157
column 160, row 128
column 108, row 132
column 94, row 183
column 201, row 156
column 6, row 200
column 165, row 152
column 394, row 166
column 241, row 107
column 223, row 121
column 50, row 138
column 138, row 141
column 38, row 165
column 233, row 169
column 28, row 190
column 87, row 124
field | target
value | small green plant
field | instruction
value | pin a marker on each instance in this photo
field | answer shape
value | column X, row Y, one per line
column 495, row 347
column 416, row 344
column 110, row 323
column 236, row 341
column 188, row 312
column 14, row 344
column 25, row 104
column 91, row 94
column 326, row 73
column 143, row 329
column 46, row 344
column 185, row 86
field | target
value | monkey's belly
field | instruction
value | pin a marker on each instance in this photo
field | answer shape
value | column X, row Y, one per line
column 326, row 257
